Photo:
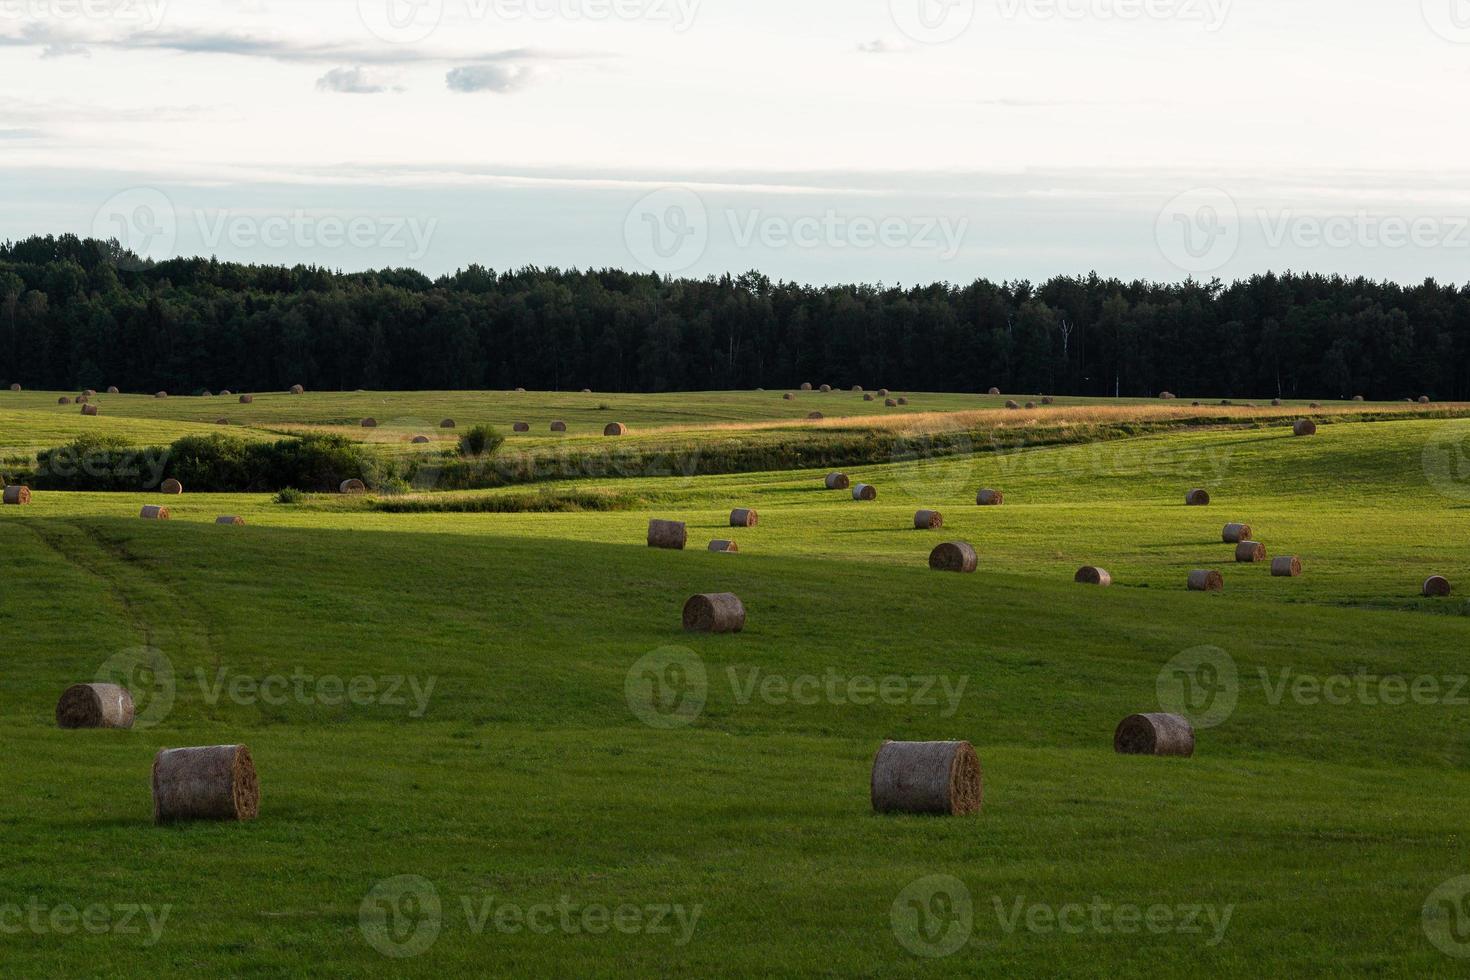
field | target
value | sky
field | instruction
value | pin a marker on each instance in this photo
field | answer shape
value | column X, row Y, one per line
column 892, row 141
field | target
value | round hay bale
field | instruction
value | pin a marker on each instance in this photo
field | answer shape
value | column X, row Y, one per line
column 1276, row 403
column 788, row 397
column 230, row 521
column 1030, row 405
column 825, row 389
column 883, row 392
column 994, row 391
column 744, row 517
column 858, row 389
column 838, row 481
column 1092, row 575
column 520, row 391
column 1314, row 406
column 206, row 393
column 90, row 393
column 1423, row 399
column 171, row 487
column 95, row 706
column 160, row 394
column 927, row 777
column 352, row 486
column 152, row 512
column 1358, row 398
column 64, row 400
column 1167, row 396
column 82, row 399
column 954, row 556
column 1287, row 566
column 15, row 387
column 806, row 386
column 615, row 429
column 247, row 399
column 1197, row 498
column 1224, row 401
column 990, row 498
column 1048, row 400
column 447, row 424
column 1154, row 734
column 89, row 410
column 862, row 491
column 1437, row 587
column 558, row 426
column 586, row 391
column 1206, row 581
column 1304, row 427
column 725, row 547
column 297, row 390
column 521, row 427
column 902, row 402
column 868, row 397
column 223, row 394
column 1194, row 404
column 17, row 495
column 928, row 520
column 1012, row 404
column 890, row 403
column 221, row 421
column 673, row 535
column 815, row 417
column 1250, row 551
column 213, row 783
column 369, row 423
column 1235, row 533
column 420, row 440
column 715, row 613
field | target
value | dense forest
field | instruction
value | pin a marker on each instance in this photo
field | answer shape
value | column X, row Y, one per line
column 78, row 313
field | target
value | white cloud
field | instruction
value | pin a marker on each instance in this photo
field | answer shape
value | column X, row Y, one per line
column 356, row 81
column 501, row 79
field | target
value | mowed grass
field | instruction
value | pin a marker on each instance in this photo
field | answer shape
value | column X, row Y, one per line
column 527, row 779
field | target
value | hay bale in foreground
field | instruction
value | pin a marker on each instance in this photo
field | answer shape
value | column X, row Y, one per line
column 89, row 410
column 1030, row 405
column 153, row 512
column 928, row 520
column 1287, row 566
column 954, row 556
column 990, row 498
column 838, row 481
column 719, row 612
column 1236, row 533
column 230, row 521
column 352, row 486
column 615, row 429
column 17, row 495
column 369, row 423
column 1154, row 734
column 95, row 706
column 744, row 517
column 883, row 392
column 673, row 535
column 1197, row 498
column 1206, row 580
column 297, row 390
column 862, row 491
column 1437, row 587
column 1304, row 427
column 1092, row 575
column 247, row 399
column 171, row 487
column 1248, row 552
column 725, row 547
column 927, row 777
column 213, row 783
column 447, row 424
column 521, row 427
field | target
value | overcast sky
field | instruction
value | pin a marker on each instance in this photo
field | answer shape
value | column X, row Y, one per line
column 820, row 140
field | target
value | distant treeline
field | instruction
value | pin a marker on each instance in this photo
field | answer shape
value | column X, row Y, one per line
column 79, row 313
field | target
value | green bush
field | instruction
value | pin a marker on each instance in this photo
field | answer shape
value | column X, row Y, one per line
column 290, row 495
column 480, row 441
column 98, row 462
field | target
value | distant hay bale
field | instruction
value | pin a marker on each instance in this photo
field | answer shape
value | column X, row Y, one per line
column 171, row 487
column 90, row 393
column 1048, row 400
column 890, row 403
column 161, row 394
column 447, row 424
column 64, row 400
column 671, row 535
column 352, row 486
column 586, row 391
column 521, row 427
column 990, row 498
column 825, row 389
column 815, row 416
column 1437, row 587
column 883, row 392
column 941, row 778
column 1030, row 405
column 615, row 429
column 82, row 399
column 806, row 386
column 1012, row 404
column 868, row 397
column 1304, row 427
column 1235, row 533
column 247, row 399
column 206, row 394
column 994, row 391
column 1206, row 581
column 297, row 390
column 16, row 495
column 928, row 520
column 558, row 426
column 1154, row 734
column 954, row 556
column 1167, row 395
column 1194, row 404
column 113, row 390
column 862, row 491
column 225, row 393
column 221, row 421
column 230, row 521
column 152, row 512
column 89, row 409
column 520, row 391
column 725, row 547
column 1197, row 498
column 369, row 423
column 1092, row 575
column 1287, row 566
column 744, row 517
column 1314, row 406
column 719, row 612
column 1224, row 401
column 15, row 387
column 903, row 401
column 420, row 440
column 1423, row 399
column 858, row 389
column 1358, row 398
column 212, row 783
column 1250, row 551
column 838, row 481
column 95, row 706
column 788, row 397
column 1276, row 403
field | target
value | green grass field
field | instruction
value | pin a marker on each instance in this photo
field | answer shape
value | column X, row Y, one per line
column 499, row 745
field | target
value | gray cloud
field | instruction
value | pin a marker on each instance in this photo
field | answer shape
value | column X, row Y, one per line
column 354, row 81
column 488, row 78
